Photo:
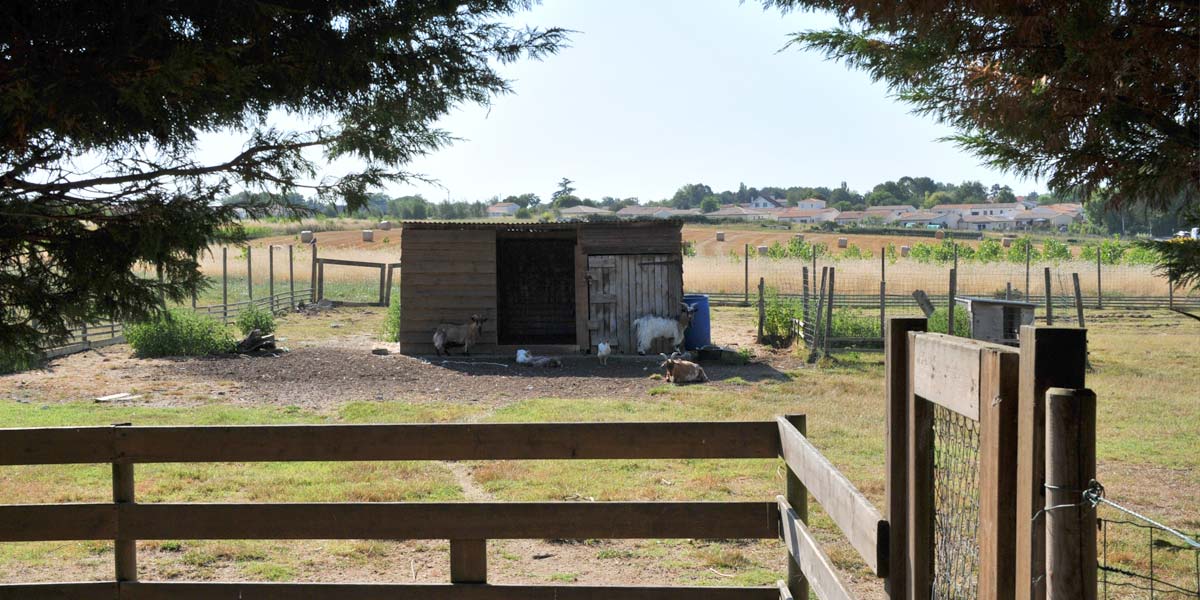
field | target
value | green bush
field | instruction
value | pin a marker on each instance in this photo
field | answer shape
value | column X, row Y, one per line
column 252, row 317
column 940, row 318
column 391, row 323
column 14, row 360
column 1055, row 250
column 179, row 332
column 848, row 323
column 778, row 312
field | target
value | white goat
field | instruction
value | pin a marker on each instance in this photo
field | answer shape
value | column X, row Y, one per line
column 682, row 371
column 448, row 336
column 650, row 328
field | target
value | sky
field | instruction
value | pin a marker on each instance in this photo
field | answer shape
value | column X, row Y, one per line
column 653, row 94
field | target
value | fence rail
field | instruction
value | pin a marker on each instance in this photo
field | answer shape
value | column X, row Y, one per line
column 871, row 301
column 466, row 525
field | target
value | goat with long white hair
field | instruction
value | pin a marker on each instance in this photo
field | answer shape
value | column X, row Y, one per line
column 650, row 328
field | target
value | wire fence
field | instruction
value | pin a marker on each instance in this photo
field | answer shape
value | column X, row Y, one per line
column 1140, row 557
column 956, row 505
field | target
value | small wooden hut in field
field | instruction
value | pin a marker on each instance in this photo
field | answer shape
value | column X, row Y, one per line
column 547, row 287
column 997, row 321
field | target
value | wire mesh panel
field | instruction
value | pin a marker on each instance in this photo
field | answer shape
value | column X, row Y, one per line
column 956, row 503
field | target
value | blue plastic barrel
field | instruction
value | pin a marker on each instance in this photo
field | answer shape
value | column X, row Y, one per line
column 699, row 334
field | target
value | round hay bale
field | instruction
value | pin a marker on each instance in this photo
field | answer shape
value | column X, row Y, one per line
column 306, row 236
column 799, row 237
column 939, row 234
column 904, row 250
column 843, row 242
column 368, row 235
column 1006, row 242
column 720, row 236
column 762, row 250
column 385, row 225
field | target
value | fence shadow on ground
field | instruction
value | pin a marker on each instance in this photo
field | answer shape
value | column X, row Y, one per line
column 589, row 366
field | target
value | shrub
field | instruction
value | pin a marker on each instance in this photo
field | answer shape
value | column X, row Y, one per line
column 989, row 251
column 848, row 323
column 1055, row 250
column 253, row 317
column 391, row 323
column 523, row 213
column 940, row 318
column 778, row 312
column 179, row 332
column 14, row 360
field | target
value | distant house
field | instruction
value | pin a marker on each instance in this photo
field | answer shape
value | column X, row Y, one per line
column 1027, row 202
column 811, row 203
column 764, row 203
column 503, row 209
column 654, row 212
column 1045, row 216
column 986, row 223
column 850, row 217
column 890, row 212
column 928, row 219
column 1006, row 210
column 741, row 212
column 583, row 211
column 807, row 215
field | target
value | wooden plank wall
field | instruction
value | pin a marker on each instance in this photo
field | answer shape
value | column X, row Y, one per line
column 626, row 287
column 447, row 276
column 632, row 238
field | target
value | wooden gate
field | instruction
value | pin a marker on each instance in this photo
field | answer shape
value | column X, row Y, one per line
column 622, row 288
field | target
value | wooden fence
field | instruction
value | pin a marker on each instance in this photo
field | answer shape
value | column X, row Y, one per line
column 385, row 278
column 466, row 525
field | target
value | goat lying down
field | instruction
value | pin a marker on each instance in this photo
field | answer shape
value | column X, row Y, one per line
column 452, row 336
column 650, row 328
column 682, row 371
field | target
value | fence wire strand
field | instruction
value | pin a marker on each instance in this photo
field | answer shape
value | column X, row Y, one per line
column 956, row 505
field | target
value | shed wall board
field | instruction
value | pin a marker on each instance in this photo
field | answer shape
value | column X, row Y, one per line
column 439, row 288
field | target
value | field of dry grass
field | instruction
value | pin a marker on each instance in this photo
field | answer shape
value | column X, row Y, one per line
column 1148, row 428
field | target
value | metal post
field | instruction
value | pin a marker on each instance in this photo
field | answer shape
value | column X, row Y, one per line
column 883, row 291
column 1028, row 251
column 829, row 314
column 291, row 277
column 271, row 275
column 950, row 309
column 312, row 280
column 746, row 283
column 762, row 308
column 1049, row 303
column 1008, row 290
column 250, row 272
column 1099, row 287
column 804, row 278
column 224, row 284
column 797, row 496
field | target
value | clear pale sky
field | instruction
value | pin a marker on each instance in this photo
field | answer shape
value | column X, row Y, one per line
column 653, row 94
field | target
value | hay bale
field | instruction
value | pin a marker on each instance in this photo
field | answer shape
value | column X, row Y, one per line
column 939, row 234
column 306, row 236
column 843, row 242
column 799, row 237
column 904, row 250
column 368, row 235
column 762, row 250
column 720, row 236
column 1006, row 242
column 385, row 225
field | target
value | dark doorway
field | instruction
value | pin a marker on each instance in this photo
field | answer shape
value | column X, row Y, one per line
column 535, row 287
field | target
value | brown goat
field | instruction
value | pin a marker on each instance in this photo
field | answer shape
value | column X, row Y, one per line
column 453, row 336
column 682, row 371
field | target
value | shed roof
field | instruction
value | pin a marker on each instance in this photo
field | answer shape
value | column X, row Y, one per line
column 540, row 226
column 968, row 300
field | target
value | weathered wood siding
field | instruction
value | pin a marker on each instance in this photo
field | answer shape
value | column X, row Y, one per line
column 626, row 287
column 632, row 238
column 446, row 277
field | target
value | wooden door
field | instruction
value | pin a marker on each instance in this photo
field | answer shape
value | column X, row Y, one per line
column 622, row 288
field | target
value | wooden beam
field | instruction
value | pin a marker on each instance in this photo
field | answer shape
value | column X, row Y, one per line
column 946, row 371
column 57, row 522
column 898, row 387
column 999, row 392
column 350, row 591
column 1070, row 468
column 59, row 591
column 864, row 527
column 455, row 521
column 797, row 496
column 125, row 548
column 59, row 445
column 1050, row 357
column 819, row 571
column 350, row 263
column 468, row 561
column 920, row 488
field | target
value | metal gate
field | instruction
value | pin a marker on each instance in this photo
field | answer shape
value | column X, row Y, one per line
column 622, row 288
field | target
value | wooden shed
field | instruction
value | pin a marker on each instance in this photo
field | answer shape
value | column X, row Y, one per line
column 997, row 321
column 547, row 287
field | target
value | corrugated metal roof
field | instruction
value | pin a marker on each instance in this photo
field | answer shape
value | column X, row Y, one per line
column 539, row 226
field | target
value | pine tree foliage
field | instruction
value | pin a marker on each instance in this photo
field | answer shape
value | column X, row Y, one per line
column 1090, row 95
column 102, row 104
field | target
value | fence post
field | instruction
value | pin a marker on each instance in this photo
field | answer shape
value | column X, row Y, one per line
column 124, row 550
column 804, row 278
column 1099, row 288
column 224, row 284
column 921, row 505
column 271, row 275
column 250, row 272
column 312, row 280
column 883, row 291
column 83, row 332
column 999, row 391
column 291, row 278
column 320, row 281
column 468, row 561
column 816, row 341
column 383, row 285
column 387, row 301
column 1170, row 293
column 828, row 315
column 1028, row 251
column 1050, row 357
column 897, row 386
column 1049, row 300
column 797, row 496
column 762, row 308
column 746, row 283
column 1078, row 299
column 950, row 309
column 1070, row 468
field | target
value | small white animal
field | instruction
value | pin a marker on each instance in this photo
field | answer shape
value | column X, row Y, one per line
column 602, row 351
